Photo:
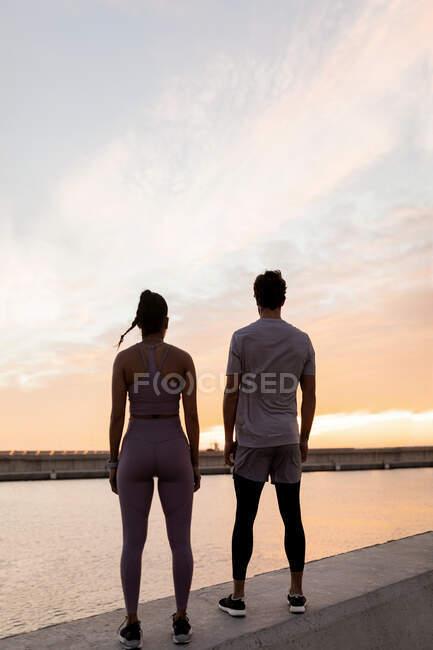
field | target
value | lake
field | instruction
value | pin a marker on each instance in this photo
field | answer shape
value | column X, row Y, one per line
column 61, row 540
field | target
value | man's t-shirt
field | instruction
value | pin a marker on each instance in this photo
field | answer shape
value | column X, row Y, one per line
column 270, row 355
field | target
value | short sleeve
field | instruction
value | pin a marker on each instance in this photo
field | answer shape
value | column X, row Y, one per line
column 234, row 365
column 310, row 362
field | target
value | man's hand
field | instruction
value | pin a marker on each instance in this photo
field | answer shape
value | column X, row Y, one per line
column 304, row 449
column 230, row 453
column 112, row 479
column 197, row 477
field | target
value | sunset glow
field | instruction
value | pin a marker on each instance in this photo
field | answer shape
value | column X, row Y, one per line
column 185, row 150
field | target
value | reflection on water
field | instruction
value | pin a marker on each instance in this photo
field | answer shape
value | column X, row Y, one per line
column 61, row 540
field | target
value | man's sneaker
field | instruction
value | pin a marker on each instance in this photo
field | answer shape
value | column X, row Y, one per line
column 130, row 635
column 235, row 607
column 296, row 603
column 181, row 630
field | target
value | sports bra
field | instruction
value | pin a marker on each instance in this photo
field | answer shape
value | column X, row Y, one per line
column 151, row 393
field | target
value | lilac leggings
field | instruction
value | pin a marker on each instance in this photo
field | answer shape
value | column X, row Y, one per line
column 155, row 447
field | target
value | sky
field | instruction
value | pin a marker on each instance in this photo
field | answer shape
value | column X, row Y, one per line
column 187, row 147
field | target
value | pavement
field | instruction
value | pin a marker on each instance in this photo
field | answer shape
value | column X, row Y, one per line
column 377, row 597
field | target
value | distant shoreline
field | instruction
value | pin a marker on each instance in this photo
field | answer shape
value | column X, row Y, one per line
column 48, row 465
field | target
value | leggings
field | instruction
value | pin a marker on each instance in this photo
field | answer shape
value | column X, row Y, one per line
column 155, row 447
column 248, row 496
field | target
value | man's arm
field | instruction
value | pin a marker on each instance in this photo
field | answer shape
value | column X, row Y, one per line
column 230, row 403
column 308, row 407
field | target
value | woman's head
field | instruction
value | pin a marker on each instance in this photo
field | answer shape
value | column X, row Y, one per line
column 270, row 290
column 151, row 316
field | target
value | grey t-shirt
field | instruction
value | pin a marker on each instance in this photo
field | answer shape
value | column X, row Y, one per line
column 270, row 355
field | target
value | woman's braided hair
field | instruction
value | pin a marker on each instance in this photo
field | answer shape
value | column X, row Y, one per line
column 151, row 311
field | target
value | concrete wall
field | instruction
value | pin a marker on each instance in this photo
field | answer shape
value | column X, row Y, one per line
column 375, row 598
column 79, row 464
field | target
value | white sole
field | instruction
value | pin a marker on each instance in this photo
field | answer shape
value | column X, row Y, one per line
column 129, row 644
column 232, row 612
column 182, row 638
column 300, row 609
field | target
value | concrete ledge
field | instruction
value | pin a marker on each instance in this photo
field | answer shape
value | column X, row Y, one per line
column 215, row 470
column 103, row 473
column 15, row 462
column 410, row 463
column 24, row 476
column 54, row 474
column 378, row 597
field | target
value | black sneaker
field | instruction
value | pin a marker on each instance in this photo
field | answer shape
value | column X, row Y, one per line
column 181, row 630
column 233, row 607
column 296, row 603
column 130, row 635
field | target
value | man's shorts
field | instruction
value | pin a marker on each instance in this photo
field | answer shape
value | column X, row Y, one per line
column 282, row 463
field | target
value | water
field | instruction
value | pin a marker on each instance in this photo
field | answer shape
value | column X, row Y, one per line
column 61, row 540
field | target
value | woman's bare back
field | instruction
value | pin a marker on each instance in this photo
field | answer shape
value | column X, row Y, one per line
column 176, row 360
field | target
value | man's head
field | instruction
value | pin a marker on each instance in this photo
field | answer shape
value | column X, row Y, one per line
column 270, row 290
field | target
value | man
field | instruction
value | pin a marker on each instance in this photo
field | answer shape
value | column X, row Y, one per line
column 267, row 360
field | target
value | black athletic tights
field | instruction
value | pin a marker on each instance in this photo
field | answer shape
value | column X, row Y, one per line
column 248, row 496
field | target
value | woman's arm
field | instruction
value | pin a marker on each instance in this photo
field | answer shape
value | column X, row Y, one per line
column 189, row 401
column 117, row 418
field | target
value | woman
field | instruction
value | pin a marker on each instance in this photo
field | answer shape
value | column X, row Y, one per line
column 154, row 374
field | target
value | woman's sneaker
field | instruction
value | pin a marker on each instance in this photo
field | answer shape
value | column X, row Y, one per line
column 181, row 630
column 235, row 607
column 296, row 603
column 130, row 635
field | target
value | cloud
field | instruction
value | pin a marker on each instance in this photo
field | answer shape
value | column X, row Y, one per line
column 235, row 162
column 358, row 429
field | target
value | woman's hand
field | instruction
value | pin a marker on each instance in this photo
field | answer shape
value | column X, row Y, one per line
column 112, row 479
column 197, row 477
